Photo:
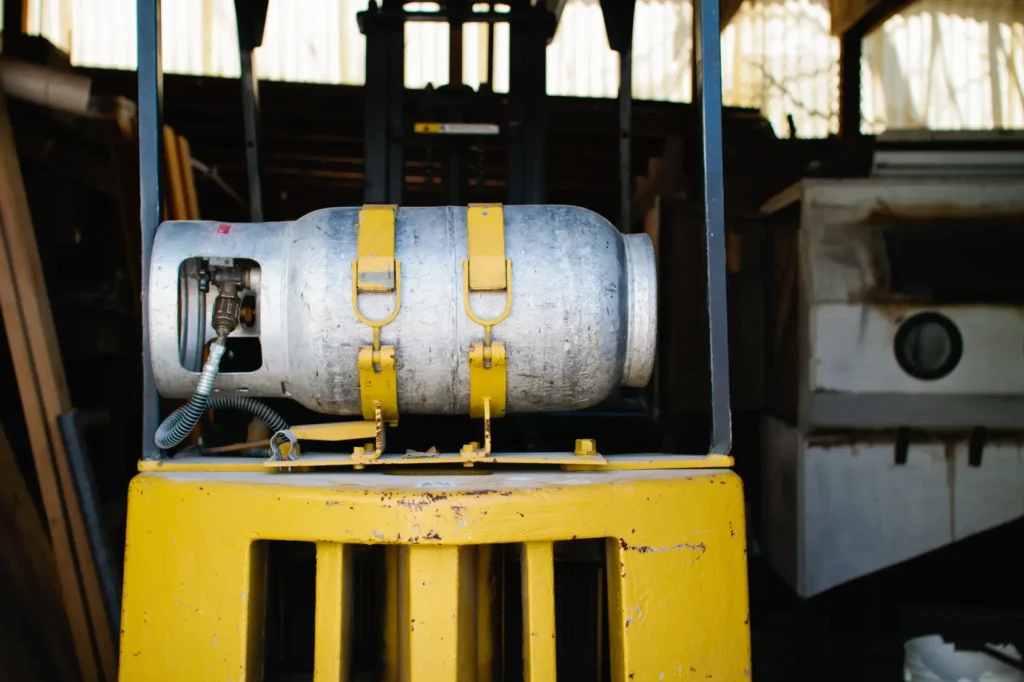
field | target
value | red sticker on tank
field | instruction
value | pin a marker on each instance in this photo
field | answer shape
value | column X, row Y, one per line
column 223, row 229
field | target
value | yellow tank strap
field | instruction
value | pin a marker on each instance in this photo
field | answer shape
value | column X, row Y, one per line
column 377, row 271
column 485, row 224
column 486, row 270
column 376, row 249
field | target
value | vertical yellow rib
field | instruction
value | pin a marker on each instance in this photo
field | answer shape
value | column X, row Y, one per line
column 538, row 569
column 433, row 623
column 333, row 613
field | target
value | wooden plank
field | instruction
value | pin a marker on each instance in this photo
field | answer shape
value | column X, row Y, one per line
column 44, row 394
column 664, row 177
column 124, row 159
column 177, row 201
column 188, row 179
column 30, row 576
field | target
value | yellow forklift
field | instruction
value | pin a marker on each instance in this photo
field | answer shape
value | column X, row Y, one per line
column 322, row 553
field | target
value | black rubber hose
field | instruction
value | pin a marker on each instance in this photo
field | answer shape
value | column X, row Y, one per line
column 183, row 416
column 180, row 423
column 272, row 419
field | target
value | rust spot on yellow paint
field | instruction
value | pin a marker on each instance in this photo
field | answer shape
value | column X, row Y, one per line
column 647, row 549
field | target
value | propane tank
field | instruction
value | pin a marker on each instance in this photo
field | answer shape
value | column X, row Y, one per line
column 582, row 318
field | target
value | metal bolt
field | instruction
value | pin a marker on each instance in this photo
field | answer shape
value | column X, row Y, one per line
column 585, row 447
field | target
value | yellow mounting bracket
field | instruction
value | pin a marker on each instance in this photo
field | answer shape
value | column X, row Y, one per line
column 284, row 445
column 486, row 270
column 376, row 271
column 472, row 452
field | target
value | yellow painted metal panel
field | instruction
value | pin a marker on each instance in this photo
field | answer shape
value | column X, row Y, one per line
column 333, row 615
column 708, row 568
column 538, row 575
column 677, row 563
column 197, row 580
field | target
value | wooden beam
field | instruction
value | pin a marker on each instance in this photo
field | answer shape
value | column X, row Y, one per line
column 664, row 177
column 39, row 372
column 188, row 179
column 861, row 16
column 728, row 10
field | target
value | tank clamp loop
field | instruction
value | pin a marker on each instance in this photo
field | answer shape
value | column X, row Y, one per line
column 377, row 271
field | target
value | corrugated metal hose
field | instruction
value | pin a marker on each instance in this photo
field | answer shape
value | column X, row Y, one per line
column 180, row 423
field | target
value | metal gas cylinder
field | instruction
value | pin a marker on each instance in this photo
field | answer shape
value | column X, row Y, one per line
column 583, row 317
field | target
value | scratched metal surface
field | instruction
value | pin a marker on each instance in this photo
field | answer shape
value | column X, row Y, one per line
column 583, row 318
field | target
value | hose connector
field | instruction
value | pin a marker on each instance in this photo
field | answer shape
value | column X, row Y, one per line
column 225, row 309
column 209, row 375
column 180, row 423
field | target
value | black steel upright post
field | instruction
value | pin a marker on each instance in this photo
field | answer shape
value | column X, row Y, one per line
column 396, row 115
column 618, row 25
column 850, row 50
column 626, row 139
column 456, row 167
column 530, row 28
column 383, row 164
column 251, row 19
column 150, row 164
column 708, row 96
column 375, row 135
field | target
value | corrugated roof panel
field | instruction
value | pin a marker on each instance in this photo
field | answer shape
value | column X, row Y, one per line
column 940, row 63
